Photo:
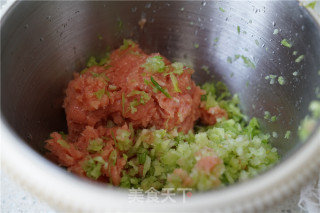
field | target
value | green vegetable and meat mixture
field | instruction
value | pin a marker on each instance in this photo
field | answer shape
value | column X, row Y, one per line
column 139, row 121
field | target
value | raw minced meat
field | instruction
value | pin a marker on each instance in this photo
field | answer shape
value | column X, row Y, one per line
column 131, row 122
column 122, row 92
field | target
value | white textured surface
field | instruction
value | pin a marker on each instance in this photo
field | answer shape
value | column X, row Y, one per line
column 14, row 200
column 310, row 196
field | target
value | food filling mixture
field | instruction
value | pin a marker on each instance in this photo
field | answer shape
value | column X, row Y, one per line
column 139, row 121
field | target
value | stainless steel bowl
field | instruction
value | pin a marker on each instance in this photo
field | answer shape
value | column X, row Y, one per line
column 43, row 43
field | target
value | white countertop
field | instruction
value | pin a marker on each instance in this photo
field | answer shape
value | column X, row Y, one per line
column 14, row 199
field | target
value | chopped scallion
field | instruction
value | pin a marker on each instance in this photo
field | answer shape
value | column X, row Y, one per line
column 174, row 82
column 157, row 85
column 299, row 59
column 126, row 44
column 154, row 64
column 221, row 9
column 92, row 61
column 95, row 145
column 113, row 157
column 285, row 43
column 99, row 93
column 63, row 143
column 287, row 135
column 178, row 68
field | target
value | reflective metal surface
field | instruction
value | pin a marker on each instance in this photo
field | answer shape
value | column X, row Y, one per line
column 43, row 43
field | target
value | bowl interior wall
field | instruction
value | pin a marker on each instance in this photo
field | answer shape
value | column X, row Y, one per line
column 44, row 43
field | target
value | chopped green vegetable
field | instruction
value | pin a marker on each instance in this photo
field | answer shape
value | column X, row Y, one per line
column 142, row 157
column 274, row 134
column 314, row 107
column 157, row 85
column 125, row 157
column 178, row 68
column 99, row 93
column 270, row 118
column 216, row 40
column 281, row 80
column 317, row 92
column 257, row 42
column 306, row 127
column 124, row 142
column 267, row 115
column 120, row 25
column 144, row 97
column 99, row 159
column 253, row 128
column 275, row 31
column 133, row 106
column 229, row 59
column 221, row 9
column 247, row 83
column 287, row 135
column 238, row 146
column 238, row 29
column 83, row 71
column 219, row 95
column 205, row 68
column 63, row 135
column 295, row 52
column 113, row 157
column 175, row 83
column 272, row 78
column 100, row 37
column 95, row 145
column 95, row 75
column 126, row 44
column 92, row 61
column 101, row 75
column 299, row 59
column 285, row 43
column 272, row 81
column 63, row 143
column 196, row 45
column 311, row 4
column 188, row 88
column 148, row 83
column 273, row 118
column 146, row 166
column 154, row 64
column 112, row 87
column 92, row 168
column 104, row 61
column 248, row 62
column 295, row 73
